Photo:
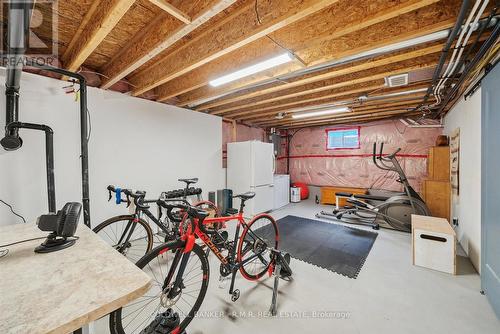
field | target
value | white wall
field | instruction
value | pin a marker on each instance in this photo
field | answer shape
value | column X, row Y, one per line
column 134, row 143
column 466, row 115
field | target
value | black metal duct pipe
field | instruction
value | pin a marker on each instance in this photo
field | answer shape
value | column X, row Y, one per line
column 19, row 16
column 49, row 156
column 83, row 134
column 444, row 53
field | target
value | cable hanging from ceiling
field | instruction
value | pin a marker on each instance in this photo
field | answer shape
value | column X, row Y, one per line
column 441, row 88
column 275, row 42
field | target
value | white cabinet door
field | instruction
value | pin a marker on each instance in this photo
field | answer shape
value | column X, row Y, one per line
column 263, row 200
column 263, row 163
column 281, row 191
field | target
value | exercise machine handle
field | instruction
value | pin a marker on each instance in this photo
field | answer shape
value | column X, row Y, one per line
column 394, row 153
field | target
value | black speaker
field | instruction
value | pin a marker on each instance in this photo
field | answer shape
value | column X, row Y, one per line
column 211, row 196
column 224, row 200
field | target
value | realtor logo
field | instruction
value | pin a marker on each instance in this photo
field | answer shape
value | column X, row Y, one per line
column 36, row 34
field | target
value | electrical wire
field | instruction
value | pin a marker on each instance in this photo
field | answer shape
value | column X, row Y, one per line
column 89, row 122
column 21, row 241
column 12, row 210
column 397, row 129
column 273, row 40
column 31, row 239
column 465, row 28
column 459, row 47
column 452, row 70
column 487, row 58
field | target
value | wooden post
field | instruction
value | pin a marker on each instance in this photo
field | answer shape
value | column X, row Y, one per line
column 234, row 130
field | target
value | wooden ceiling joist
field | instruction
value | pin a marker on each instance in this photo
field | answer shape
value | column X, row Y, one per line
column 329, row 75
column 301, row 91
column 349, row 100
column 343, row 50
column 307, row 102
column 232, row 33
column 148, row 47
column 356, row 110
column 353, row 119
column 357, row 20
column 359, row 116
column 424, row 21
column 96, row 25
column 178, row 14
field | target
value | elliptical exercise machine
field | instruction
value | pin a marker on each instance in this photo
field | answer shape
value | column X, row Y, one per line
column 392, row 211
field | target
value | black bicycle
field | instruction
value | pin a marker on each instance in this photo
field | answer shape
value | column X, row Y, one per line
column 131, row 234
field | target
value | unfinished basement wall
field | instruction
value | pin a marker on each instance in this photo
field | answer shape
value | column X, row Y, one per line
column 466, row 205
column 312, row 163
column 134, row 143
column 243, row 133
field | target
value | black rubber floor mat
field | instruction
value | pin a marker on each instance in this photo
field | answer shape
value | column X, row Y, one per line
column 334, row 247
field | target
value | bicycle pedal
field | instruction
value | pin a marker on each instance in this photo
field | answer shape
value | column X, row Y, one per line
column 235, row 295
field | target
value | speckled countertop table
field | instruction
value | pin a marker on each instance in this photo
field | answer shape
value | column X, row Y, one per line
column 60, row 292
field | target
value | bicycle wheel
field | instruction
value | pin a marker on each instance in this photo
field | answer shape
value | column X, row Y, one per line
column 130, row 236
column 160, row 264
column 260, row 234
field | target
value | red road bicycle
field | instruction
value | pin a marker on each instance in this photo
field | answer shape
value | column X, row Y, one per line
column 180, row 269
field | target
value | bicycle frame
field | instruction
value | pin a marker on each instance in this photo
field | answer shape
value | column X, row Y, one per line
column 198, row 231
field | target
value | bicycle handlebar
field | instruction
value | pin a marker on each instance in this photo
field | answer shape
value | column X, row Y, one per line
column 138, row 196
column 191, row 211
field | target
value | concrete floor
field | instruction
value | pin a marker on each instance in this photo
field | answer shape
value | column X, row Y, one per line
column 390, row 295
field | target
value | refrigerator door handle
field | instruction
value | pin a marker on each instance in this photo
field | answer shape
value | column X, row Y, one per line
column 274, row 162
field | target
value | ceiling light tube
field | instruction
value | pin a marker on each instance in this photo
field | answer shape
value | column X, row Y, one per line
column 321, row 113
column 259, row 67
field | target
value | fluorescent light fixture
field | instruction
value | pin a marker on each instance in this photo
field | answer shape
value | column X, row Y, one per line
column 321, row 113
column 259, row 67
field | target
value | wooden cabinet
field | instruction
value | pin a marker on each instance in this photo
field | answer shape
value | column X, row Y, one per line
column 437, row 196
column 328, row 194
column 438, row 163
column 436, row 188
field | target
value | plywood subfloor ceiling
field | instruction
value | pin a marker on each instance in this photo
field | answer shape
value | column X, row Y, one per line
column 168, row 51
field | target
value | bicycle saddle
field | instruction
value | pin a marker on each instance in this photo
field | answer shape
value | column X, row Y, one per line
column 245, row 196
column 189, row 181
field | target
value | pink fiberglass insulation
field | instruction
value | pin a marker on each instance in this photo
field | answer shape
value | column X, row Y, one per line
column 312, row 163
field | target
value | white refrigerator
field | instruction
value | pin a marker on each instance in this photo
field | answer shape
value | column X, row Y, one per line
column 250, row 167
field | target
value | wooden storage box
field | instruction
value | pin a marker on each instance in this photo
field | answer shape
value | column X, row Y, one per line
column 328, row 194
column 433, row 243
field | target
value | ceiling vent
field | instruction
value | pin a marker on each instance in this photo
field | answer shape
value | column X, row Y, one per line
column 397, row 80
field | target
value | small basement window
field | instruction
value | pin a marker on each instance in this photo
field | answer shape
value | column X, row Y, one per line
column 342, row 138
